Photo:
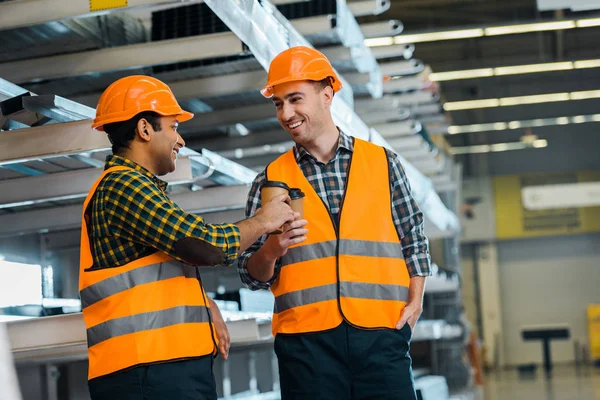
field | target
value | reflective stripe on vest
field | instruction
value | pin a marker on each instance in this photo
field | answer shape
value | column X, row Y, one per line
column 347, row 247
column 357, row 290
column 150, row 310
column 127, row 280
column 355, row 271
column 145, row 321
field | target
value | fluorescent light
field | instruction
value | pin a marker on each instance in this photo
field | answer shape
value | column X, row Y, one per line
column 587, row 94
column 436, row 36
column 501, row 126
column 379, row 41
column 588, row 22
column 471, row 104
column 495, row 126
column 520, row 100
column 480, row 32
column 587, row 64
column 466, row 74
column 513, row 70
column 535, row 99
column 525, row 28
column 498, row 147
column 531, row 68
column 481, row 148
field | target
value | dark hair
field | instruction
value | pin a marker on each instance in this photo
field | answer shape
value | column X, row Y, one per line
column 121, row 134
column 323, row 83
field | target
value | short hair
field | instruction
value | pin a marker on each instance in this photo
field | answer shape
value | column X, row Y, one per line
column 323, row 83
column 121, row 134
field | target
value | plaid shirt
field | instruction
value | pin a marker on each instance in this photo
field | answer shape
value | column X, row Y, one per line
column 132, row 217
column 328, row 180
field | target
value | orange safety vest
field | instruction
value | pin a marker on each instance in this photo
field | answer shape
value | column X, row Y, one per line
column 151, row 310
column 355, row 272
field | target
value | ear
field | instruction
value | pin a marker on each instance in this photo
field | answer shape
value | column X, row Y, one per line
column 327, row 96
column 144, row 130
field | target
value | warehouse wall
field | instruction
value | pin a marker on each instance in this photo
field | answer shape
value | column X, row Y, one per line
column 547, row 281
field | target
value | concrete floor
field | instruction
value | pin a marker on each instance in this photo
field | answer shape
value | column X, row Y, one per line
column 566, row 383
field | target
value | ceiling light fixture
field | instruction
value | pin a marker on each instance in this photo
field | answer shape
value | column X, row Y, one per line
column 531, row 123
column 480, row 32
column 513, row 70
column 499, row 147
column 521, row 100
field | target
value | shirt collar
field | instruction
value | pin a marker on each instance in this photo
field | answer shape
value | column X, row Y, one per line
column 345, row 143
column 114, row 161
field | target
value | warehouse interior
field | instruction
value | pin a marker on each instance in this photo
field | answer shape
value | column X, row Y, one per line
column 492, row 107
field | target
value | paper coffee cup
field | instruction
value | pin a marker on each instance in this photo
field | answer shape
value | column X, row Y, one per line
column 270, row 190
column 297, row 204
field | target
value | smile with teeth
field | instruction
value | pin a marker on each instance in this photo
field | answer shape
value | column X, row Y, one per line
column 295, row 125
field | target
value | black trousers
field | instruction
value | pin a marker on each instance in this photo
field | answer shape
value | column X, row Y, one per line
column 346, row 363
column 181, row 380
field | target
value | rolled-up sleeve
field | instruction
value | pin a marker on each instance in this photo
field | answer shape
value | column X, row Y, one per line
column 408, row 220
column 139, row 210
column 252, row 206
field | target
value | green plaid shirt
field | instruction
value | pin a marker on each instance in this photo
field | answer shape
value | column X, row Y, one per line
column 131, row 217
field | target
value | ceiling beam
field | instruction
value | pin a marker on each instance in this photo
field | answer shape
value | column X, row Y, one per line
column 215, row 119
column 69, row 217
column 202, row 87
column 225, row 143
column 49, row 141
column 70, row 184
column 123, row 57
column 19, row 13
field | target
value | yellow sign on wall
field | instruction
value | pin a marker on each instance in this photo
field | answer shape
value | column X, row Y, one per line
column 594, row 331
column 101, row 5
column 514, row 221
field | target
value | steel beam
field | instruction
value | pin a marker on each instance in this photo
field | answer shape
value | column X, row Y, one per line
column 404, row 84
column 395, row 129
column 50, row 141
column 395, row 50
column 203, row 87
column 69, row 138
column 214, row 119
column 392, row 27
column 124, row 57
column 401, row 68
column 69, row 217
column 19, row 13
column 257, row 151
column 225, row 143
column 375, row 117
column 369, row 7
column 313, row 25
column 69, row 185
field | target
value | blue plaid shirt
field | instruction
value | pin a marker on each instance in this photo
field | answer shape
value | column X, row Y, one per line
column 328, row 180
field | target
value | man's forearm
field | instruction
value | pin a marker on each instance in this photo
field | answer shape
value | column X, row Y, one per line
column 416, row 289
column 214, row 309
column 261, row 265
column 251, row 230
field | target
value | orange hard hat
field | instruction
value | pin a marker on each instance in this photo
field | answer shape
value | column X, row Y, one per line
column 131, row 95
column 299, row 63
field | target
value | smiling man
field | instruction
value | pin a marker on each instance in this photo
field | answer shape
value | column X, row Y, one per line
column 151, row 329
column 348, row 280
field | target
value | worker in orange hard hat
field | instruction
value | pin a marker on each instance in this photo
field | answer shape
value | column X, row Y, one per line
column 348, row 278
column 151, row 329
